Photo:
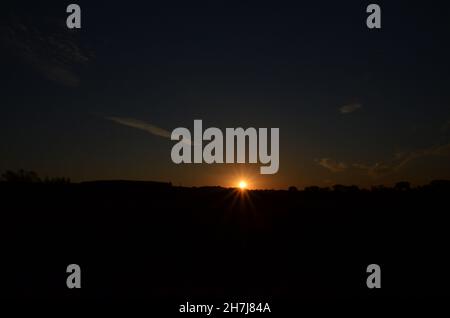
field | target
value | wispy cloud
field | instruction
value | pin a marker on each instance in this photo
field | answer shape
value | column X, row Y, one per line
column 150, row 128
column 401, row 160
column 349, row 108
column 332, row 165
column 384, row 168
column 142, row 125
column 375, row 170
column 54, row 53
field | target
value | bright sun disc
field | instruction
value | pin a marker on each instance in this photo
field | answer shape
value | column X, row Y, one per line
column 242, row 185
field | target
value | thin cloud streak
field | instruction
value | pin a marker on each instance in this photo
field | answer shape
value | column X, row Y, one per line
column 142, row 125
column 139, row 124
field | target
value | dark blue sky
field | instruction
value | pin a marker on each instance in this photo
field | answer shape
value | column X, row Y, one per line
column 354, row 106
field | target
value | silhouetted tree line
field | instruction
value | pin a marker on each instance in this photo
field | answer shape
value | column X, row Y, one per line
column 401, row 186
column 24, row 176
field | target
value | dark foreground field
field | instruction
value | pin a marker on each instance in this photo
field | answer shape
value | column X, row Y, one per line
column 162, row 243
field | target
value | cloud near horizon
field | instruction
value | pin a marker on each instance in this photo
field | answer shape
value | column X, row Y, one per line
column 331, row 165
column 381, row 169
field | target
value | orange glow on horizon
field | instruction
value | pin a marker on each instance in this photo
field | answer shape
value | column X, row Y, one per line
column 243, row 185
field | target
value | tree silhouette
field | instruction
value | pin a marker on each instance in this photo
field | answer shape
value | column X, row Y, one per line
column 402, row 186
column 21, row 176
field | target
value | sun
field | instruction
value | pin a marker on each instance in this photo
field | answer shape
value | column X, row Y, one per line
column 242, row 185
